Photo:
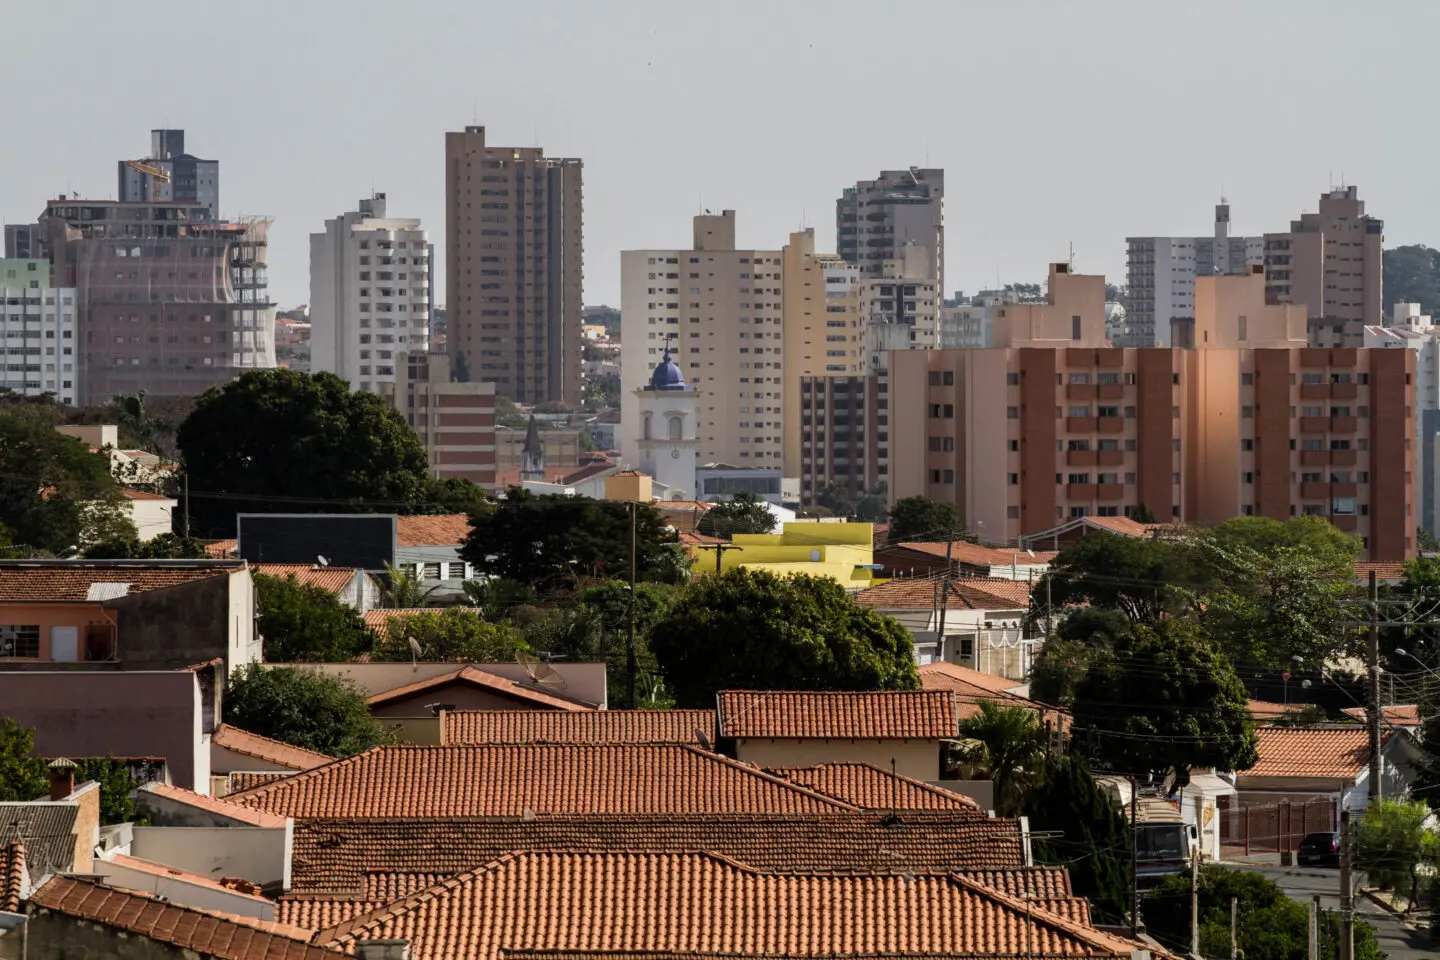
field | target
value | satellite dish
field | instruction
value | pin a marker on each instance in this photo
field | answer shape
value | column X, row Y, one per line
column 323, row 561
column 704, row 739
column 541, row 673
column 416, row 652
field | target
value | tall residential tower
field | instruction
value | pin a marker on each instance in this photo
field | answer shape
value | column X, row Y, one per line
column 876, row 219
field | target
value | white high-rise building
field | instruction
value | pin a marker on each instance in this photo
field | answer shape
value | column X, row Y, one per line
column 1161, row 272
column 1409, row 329
column 38, row 324
column 369, row 294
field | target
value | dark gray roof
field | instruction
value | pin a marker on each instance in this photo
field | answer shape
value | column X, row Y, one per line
column 48, row 831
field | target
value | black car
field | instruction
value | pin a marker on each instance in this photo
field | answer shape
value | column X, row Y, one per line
column 1319, row 850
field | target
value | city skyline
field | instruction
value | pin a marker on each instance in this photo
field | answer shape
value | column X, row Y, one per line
column 630, row 93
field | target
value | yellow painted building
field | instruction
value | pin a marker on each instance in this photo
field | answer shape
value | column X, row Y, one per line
column 842, row 551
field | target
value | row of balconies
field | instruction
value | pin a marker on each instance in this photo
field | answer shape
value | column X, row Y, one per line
column 1094, row 458
column 1095, row 491
column 1329, row 391
column 1329, row 424
column 1094, row 391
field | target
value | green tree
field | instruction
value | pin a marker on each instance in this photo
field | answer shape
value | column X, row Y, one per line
column 1082, row 634
column 1411, row 273
column 743, row 513
column 404, row 591
column 754, row 630
column 921, row 518
column 496, row 597
column 1391, row 842
column 305, row 709
column 55, row 494
column 1425, row 541
column 1080, row 828
column 1334, row 551
column 116, row 785
column 873, row 505
column 454, row 635
column 166, row 546
column 1163, row 697
column 302, row 622
column 275, row 440
column 23, row 776
column 1012, row 749
column 552, row 540
column 1136, row 575
column 1270, row 925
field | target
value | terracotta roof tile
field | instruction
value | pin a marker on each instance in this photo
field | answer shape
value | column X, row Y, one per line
column 379, row 620
column 870, row 788
column 144, row 495
column 1398, row 715
column 222, row 549
column 62, row 581
column 923, row 593
column 699, row 903
column 225, row 808
column 972, row 687
column 591, row 726
column 249, row 781
column 334, row 856
column 509, row 779
column 1329, row 752
column 12, row 875
column 438, row 530
column 1392, row 571
column 189, row 929
column 263, row 748
column 810, row 715
column 490, row 682
column 1268, row 710
column 318, row 913
column 333, row 579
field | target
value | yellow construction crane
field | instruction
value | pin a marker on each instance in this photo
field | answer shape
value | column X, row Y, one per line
column 156, row 175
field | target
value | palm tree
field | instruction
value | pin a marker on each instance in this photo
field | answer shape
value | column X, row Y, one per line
column 1010, row 745
column 403, row 591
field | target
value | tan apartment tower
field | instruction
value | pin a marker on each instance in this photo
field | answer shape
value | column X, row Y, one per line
column 513, row 269
column 1330, row 261
column 719, row 310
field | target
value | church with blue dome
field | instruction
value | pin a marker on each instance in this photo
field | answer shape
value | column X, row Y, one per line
column 669, row 415
column 667, row 375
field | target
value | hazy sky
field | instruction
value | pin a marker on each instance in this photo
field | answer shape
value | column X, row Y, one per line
column 1055, row 122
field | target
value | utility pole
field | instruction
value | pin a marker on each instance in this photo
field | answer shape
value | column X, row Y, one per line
column 1347, row 896
column 1372, row 688
column 1195, row 902
column 1134, row 876
column 187, row 504
column 719, row 549
column 1234, row 945
column 1314, row 937
column 630, row 639
column 945, row 592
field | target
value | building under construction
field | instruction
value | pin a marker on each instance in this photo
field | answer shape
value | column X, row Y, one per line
column 170, row 301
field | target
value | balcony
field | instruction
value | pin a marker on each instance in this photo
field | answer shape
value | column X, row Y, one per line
column 1344, row 490
column 1343, row 424
column 1314, row 424
column 1347, row 522
column 1344, row 458
column 1109, row 491
column 1080, row 491
column 1314, row 491
column 1080, row 458
column 1110, row 425
column 1314, row 458
column 1079, row 424
column 1109, row 458
column 1314, row 391
column 1110, row 391
column 1344, row 391
column 1079, row 391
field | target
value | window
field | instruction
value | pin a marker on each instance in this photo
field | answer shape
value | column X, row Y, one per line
column 1012, row 379
column 1079, row 379
column 1078, row 445
column 1247, row 379
column 948, row 378
column 934, row 378
column 934, row 444
column 1109, row 444
column 20, row 641
column 1310, row 478
column 1079, row 478
column 1013, row 479
column 1014, row 446
column 1107, row 411
column 949, row 476
column 1312, row 443
column 1012, row 413
column 1074, row 328
column 1343, row 506
column 949, row 411
column 1079, row 412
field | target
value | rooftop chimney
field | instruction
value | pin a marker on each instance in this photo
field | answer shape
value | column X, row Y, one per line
column 382, row 949
column 62, row 778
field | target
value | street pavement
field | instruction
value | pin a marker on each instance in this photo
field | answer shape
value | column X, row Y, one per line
column 1402, row 941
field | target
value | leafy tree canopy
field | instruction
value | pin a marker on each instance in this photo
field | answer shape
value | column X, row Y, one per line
column 55, row 494
column 23, row 775
column 1012, row 750
column 1134, row 575
column 166, row 546
column 1391, row 843
column 754, row 630
column 1093, row 841
column 551, row 540
column 455, row 634
column 742, row 513
column 1082, row 634
column 117, row 781
column 304, row 709
column 1163, row 697
column 274, row 440
column 923, row 518
column 1333, row 551
column 303, row 622
column 1411, row 273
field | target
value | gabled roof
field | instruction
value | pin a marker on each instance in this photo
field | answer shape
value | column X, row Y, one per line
column 923, row 593
column 199, row 931
column 437, row 530
column 162, row 870
column 475, row 677
column 1327, row 752
column 332, row 579
column 826, row 714
column 263, row 748
column 870, row 788
column 70, row 581
column 1397, row 715
column 250, row 816
column 48, row 832
column 971, row 687
column 336, row 856
column 696, row 903
column 1266, row 710
column 511, row 779
column 591, row 726
column 12, row 875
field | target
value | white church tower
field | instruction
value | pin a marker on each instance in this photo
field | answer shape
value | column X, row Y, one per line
column 669, row 413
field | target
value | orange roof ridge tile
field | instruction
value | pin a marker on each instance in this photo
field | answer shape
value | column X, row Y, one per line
column 224, row 807
column 592, row 726
column 469, row 673
column 233, row 738
column 837, row 714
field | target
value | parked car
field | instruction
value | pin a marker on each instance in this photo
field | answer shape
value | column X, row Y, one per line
column 1319, row 850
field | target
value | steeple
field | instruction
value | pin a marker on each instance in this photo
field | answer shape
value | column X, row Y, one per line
column 532, row 455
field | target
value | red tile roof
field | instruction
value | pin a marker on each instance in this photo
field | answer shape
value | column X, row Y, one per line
column 475, row 677
column 333, row 579
column 1392, row 571
column 12, row 875
column 335, row 856
column 1328, row 752
column 1398, row 715
column 145, row 495
column 870, row 788
column 222, row 549
column 263, row 748
column 814, row 715
column 68, row 581
column 971, row 687
column 249, row 781
column 225, row 808
column 438, row 530
column 379, row 620
column 199, row 931
column 591, row 726
column 923, row 593
column 1267, row 710
column 702, row 904
column 318, row 913
column 510, row 779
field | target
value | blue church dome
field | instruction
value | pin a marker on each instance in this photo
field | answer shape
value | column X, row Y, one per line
column 667, row 375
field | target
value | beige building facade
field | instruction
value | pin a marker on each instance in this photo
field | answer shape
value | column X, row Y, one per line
column 719, row 310
column 456, row 421
column 514, row 269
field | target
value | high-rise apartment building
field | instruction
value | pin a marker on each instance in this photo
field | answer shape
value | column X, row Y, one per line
column 876, row 219
column 456, row 421
column 720, row 311
column 38, row 325
column 369, row 294
column 170, row 174
column 1053, row 423
column 1411, row 330
column 899, row 308
column 1330, row 261
column 513, row 268
column 1161, row 272
column 168, row 300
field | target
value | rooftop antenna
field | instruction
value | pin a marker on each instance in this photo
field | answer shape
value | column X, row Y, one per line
column 541, row 673
column 324, row 561
column 416, row 652
column 1072, row 256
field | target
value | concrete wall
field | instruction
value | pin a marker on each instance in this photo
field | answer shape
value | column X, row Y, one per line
column 184, row 892
column 911, row 758
column 54, row 936
column 188, row 623
column 114, row 713
column 228, row 761
column 152, row 517
column 258, row 854
column 583, row 681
